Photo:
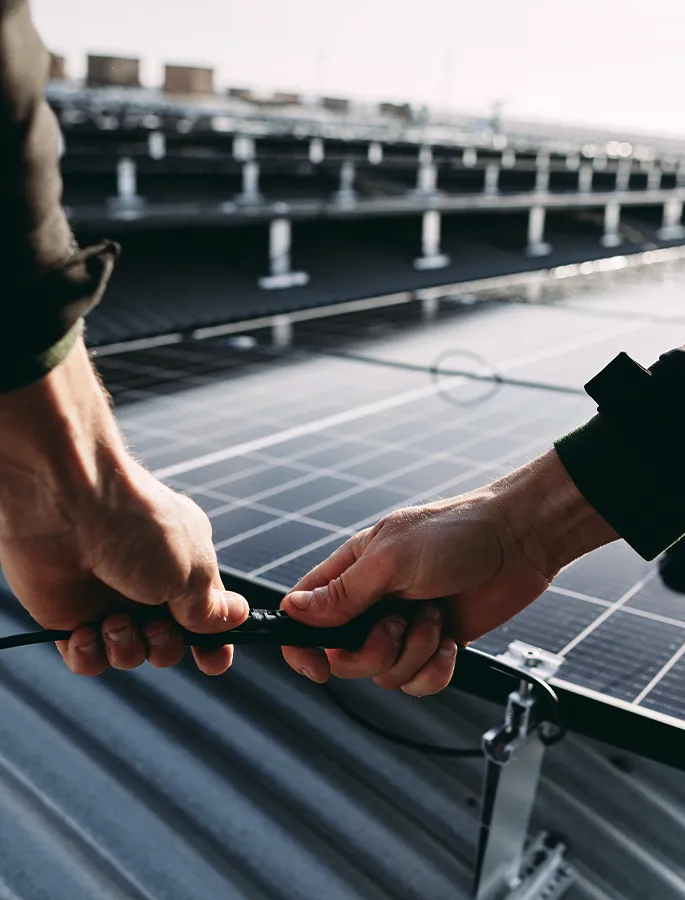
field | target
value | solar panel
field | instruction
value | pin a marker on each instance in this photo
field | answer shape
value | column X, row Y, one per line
column 289, row 455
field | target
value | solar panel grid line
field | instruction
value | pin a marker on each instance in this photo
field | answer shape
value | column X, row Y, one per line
column 660, row 675
column 625, row 610
column 515, row 361
column 341, row 472
column 296, row 431
column 353, row 489
column 618, row 604
column 278, row 515
column 362, row 523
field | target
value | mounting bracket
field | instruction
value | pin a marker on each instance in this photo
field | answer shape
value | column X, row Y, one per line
column 508, row 866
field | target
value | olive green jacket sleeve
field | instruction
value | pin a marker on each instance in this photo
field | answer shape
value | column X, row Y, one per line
column 634, row 477
column 47, row 284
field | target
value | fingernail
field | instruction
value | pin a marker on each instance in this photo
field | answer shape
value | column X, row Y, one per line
column 307, row 674
column 301, row 599
column 231, row 607
column 87, row 646
column 122, row 635
column 395, row 628
column 448, row 650
column 434, row 613
column 159, row 638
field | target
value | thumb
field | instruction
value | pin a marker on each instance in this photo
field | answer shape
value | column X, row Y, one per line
column 344, row 597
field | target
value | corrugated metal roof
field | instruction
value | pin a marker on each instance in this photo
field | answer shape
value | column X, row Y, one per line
column 168, row 785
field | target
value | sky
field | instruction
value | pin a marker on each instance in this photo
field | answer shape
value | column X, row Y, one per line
column 612, row 63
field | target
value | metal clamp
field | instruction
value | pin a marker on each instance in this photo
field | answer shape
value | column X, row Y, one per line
column 506, row 869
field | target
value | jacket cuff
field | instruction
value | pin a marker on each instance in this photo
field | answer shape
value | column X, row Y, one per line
column 628, row 485
column 45, row 316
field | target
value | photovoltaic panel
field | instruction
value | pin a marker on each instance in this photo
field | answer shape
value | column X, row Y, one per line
column 290, row 452
column 289, row 456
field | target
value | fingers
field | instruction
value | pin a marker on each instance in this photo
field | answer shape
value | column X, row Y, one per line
column 209, row 610
column 167, row 558
column 121, row 645
column 122, row 642
column 378, row 654
column 415, row 658
column 312, row 664
column 83, row 652
column 164, row 643
column 422, row 642
column 436, row 674
column 332, row 567
column 214, row 662
column 357, row 580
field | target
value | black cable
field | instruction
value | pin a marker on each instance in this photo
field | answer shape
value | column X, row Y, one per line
column 33, row 637
column 268, row 626
column 393, row 737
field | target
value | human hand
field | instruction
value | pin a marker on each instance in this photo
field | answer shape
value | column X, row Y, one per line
column 87, row 535
column 486, row 555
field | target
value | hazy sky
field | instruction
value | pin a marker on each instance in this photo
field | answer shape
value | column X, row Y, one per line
column 609, row 62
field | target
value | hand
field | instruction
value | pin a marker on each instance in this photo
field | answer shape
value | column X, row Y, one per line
column 486, row 554
column 87, row 535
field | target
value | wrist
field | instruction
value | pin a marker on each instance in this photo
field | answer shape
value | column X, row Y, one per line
column 58, row 438
column 552, row 521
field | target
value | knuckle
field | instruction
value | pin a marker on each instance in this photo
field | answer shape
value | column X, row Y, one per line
column 338, row 596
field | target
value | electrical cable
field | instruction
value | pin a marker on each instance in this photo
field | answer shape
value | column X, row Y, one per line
column 275, row 627
column 400, row 739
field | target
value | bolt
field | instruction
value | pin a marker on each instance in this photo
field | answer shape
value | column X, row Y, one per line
column 531, row 659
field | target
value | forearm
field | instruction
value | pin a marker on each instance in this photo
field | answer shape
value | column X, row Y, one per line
column 60, row 446
column 552, row 521
column 46, row 283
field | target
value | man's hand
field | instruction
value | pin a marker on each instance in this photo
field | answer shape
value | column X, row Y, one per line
column 87, row 535
column 486, row 555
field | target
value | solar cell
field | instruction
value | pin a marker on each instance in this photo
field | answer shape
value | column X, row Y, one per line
column 290, row 454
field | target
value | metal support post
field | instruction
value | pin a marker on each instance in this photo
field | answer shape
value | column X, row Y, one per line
column 279, row 259
column 250, row 193
column 680, row 174
column 427, row 179
column 156, row 145
column 375, row 153
column 585, row 175
column 469, row 157
column 282, row 331
column 612, row 221
column 430, row 239
column 542, row 175
column 429, row 307
column 623, row 170
column 654, row 178
column 427, row 173
column 492, row 179
column 243, row 148
column 127, row 201
column 508, row 865
column 346, row 194
column 536, row 232
column 672, row 228
column 508, row 158
column 316, row 151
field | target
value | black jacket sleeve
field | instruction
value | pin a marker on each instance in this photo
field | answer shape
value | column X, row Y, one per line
column 47, row 284
column 630, row 467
